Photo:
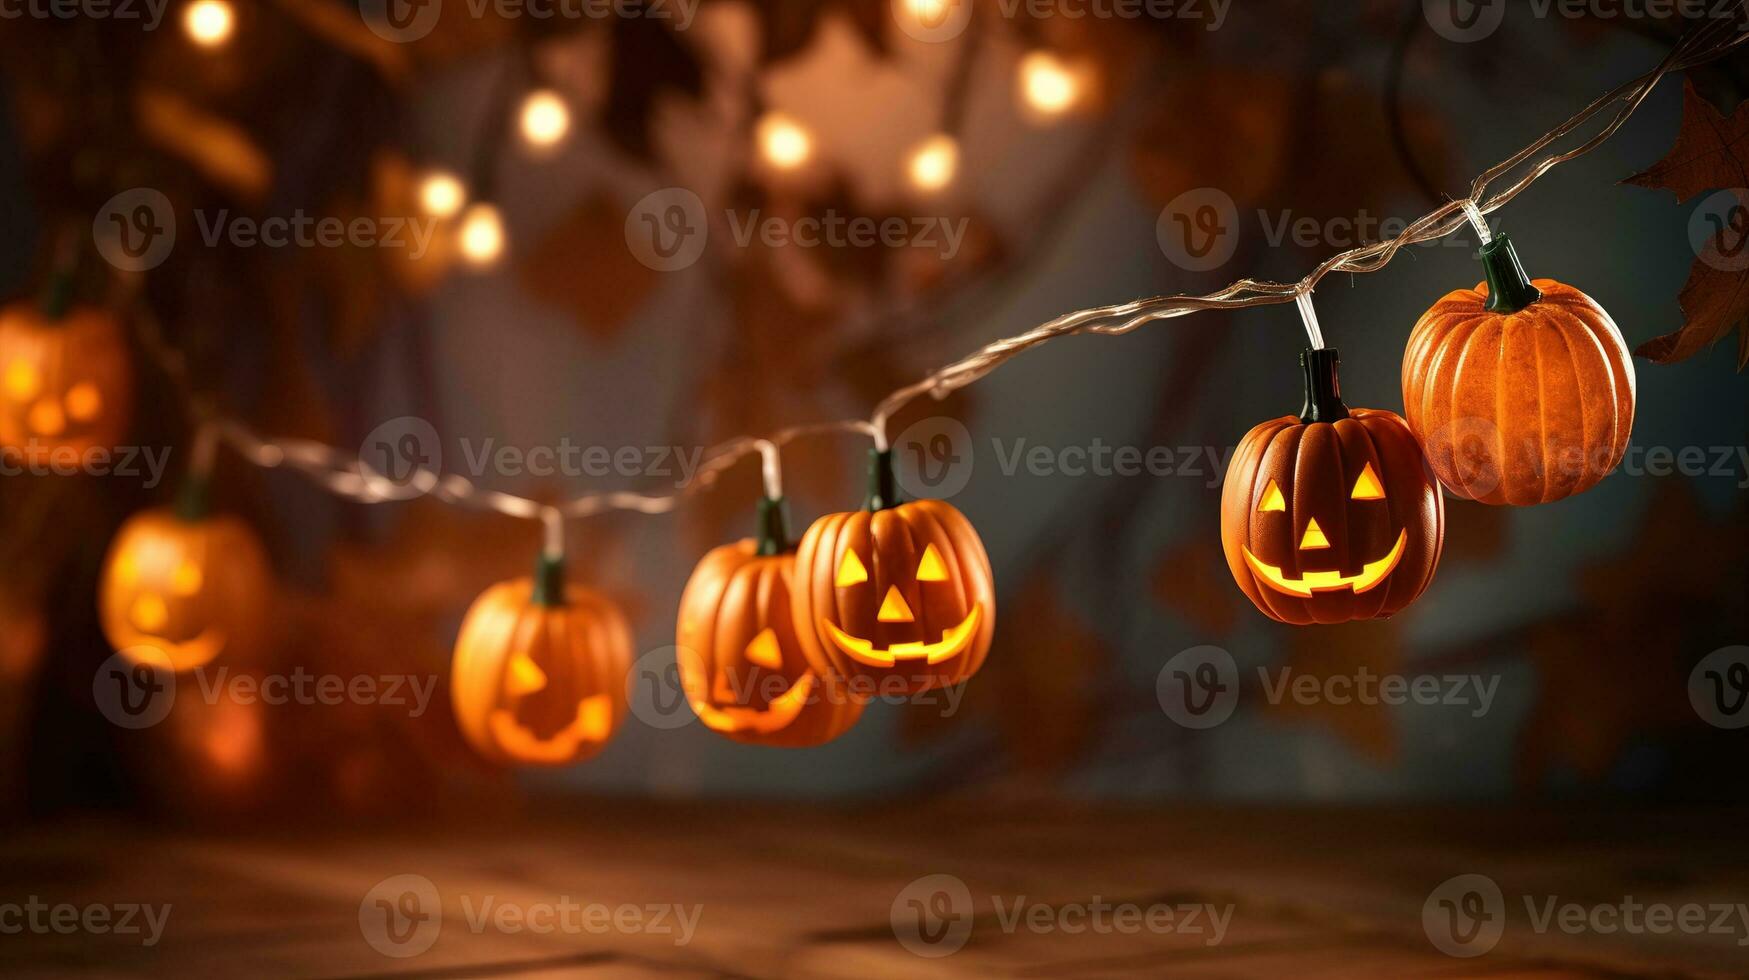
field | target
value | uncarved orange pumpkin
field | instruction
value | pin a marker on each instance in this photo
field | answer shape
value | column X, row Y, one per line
column 539, row 674
column 1521, row 392
column 66, row 383
column 741, row 665
column 1331, row 515
column 897, row 597
column 180, row 588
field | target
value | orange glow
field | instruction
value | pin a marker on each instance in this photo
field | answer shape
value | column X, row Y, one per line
column 783, row 142
column 933, row 163
column 1048, row 84
column 208, row 23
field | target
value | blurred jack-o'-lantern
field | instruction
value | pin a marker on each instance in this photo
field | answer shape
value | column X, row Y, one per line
column 66, row 382
column 184, row 585
column 1332, row 515
column 741, row 666
column 1521, row 392
column 897, row 597
column 539, row 675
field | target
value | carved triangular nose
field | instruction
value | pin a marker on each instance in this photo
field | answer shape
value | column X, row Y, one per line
column 1314, row 538
column 893, row 608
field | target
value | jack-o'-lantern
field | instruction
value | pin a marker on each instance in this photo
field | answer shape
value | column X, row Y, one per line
column 897, row 597
column 66, row 383
column 1330, row 515
column 741, row 666
column 539, row 675
column 181, row 586
column 1520, row 392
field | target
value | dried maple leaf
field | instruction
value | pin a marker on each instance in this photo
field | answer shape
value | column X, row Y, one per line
column 591, row 237
column 1375, row 647
column 1192, row 579
column 1710, row 153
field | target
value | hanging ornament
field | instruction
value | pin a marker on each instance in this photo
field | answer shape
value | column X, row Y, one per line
column 741, row 666
column 897, row 597
column 182, row 585
column 1330, row 516
column 66, row 382
column 539, row 675
column 1522, row 392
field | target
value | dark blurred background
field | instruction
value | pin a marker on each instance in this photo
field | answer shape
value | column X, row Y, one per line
column 1591, row 613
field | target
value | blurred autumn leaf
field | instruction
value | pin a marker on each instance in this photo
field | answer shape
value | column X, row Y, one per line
column 647, row 62
column 1375, row 647
column 591, row 237
column 1249, row 108
column 1191, row 579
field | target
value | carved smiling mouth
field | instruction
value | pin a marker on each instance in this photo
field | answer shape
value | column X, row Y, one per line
column 592, row 724
column 1371, row 574
column 176, row 655
column 953, row 642
column 777, row 715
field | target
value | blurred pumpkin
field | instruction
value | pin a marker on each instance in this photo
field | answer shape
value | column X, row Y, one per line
column 1330, row 516
column 539, row 675
column 181, row 586
column 1520, row 392
column 897, row 597
column 741, row 666
column 66, row 382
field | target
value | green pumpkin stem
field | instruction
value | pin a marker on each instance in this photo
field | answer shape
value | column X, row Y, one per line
column 1509, row 289
column 549, row 581
column 57, row 296
column 194, row 499
column 883, row 487
column 772, row 527
column 1323, row 388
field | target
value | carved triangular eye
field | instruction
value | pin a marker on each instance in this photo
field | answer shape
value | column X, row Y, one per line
column 850, row 570
column 931, row 568
column 1272, row 499
column 1368, row 487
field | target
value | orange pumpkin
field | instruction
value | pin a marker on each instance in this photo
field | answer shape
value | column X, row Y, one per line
column 66, row 383
column 182, row 586
column 539, row 675
column 1330, row 516
column 1520, row 392
column 897, row 597
column 741, row 666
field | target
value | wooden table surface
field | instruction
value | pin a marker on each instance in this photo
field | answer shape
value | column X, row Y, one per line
column 796, row 891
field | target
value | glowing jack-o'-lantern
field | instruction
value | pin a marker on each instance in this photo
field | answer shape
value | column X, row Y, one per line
column 1520, row 392
column 898, row 596
column 1332, row 515
column 182, row 586
column 741, row 666
column 539, row 675
column 66, row 383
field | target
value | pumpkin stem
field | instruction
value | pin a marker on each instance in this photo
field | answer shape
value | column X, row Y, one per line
column 883, row 488
column 1323, row 389
column 772, row 527
column 1509, row 289
column 549, row 581
column 194, row 499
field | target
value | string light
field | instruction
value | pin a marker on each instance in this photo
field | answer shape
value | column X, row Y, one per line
column 208, row 23
column 1047, row 83
column 929, row 13
column 784, row 143
column 934, row 162
column 441, row 194
column 545, row 119
column 482, row 236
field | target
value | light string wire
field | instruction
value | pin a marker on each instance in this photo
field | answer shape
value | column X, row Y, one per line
column 349, row 476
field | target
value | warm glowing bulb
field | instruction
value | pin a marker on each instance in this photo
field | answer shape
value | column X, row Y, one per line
column 442, row 195
column 545, row 120
column 208, row 22
column 783, row 141
column 1050, row 87
column 934, row 162
column 929, row 13
column 482, row 235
